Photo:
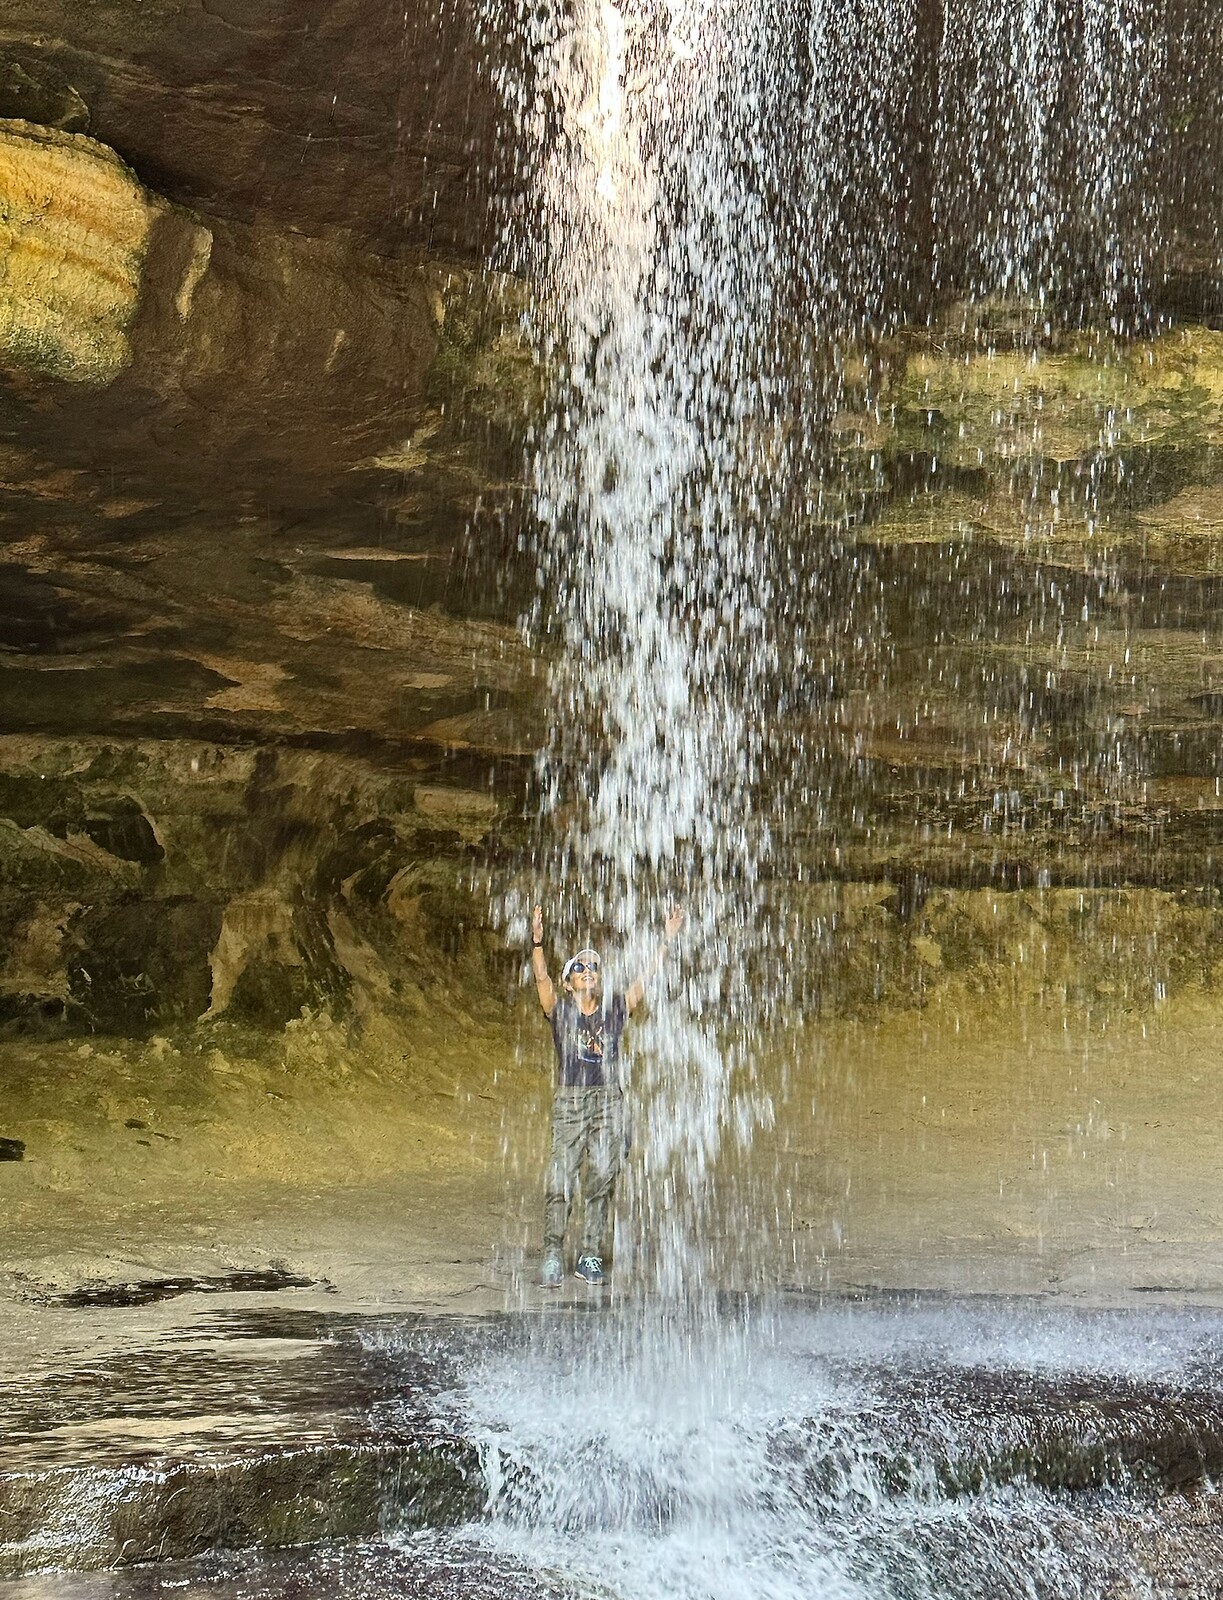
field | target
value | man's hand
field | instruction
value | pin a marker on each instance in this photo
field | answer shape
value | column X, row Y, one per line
column 537, row 926
column 674, row 922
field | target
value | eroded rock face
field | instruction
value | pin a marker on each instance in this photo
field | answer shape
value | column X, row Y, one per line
column 235, row 491
column 255, row 463
column 1017, row 608
column 319, row 115
column 234, row 359
column 159, row 884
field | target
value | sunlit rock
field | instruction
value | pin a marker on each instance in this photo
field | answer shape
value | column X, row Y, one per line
column 994, row 402
column 74, row 233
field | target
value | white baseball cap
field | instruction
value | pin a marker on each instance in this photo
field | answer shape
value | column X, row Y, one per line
column 573, row 961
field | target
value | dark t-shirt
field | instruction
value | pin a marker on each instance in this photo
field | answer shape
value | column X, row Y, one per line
column 588, row 1048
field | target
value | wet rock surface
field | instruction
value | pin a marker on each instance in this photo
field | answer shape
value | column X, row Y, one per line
column 150, row 1289
column 1091, row 1438
column 256, row 1429
column 252, row 478
column 1026, row 557
column 426, row 1565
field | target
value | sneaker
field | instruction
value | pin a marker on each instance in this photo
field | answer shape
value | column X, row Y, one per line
column 552, row 1273
column 589, row 1269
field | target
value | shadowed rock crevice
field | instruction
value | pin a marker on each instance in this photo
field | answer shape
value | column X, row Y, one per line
column 148, row 885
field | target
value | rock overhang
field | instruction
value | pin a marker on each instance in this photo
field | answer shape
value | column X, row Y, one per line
column 261, row 471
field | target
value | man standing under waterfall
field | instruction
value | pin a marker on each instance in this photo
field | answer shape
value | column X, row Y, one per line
column 588, row 1120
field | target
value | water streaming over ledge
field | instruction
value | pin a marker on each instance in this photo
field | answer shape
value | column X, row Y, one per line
column 658, row 480
column 727, row 206
column 850, row 1454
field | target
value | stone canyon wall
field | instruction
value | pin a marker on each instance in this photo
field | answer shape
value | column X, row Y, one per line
column 266, row 721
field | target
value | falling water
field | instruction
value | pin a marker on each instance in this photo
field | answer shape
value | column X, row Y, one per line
column 1046, row 127
column 728, row 207
column 659, row 478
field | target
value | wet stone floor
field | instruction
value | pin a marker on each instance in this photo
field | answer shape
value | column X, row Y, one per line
column 902, row 1449
column 431, row 1566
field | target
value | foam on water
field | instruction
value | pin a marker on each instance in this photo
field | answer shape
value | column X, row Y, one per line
column 799, row 1454
column 656, row 1478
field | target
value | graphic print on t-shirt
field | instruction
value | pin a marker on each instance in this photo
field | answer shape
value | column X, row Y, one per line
column 589, row 1039
column 587, row 1047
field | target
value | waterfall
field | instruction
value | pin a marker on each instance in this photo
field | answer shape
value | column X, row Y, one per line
column 661, row 292
column 1046, row 126
column 726, row 208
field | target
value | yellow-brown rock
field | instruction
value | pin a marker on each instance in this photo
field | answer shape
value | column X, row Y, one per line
column 74, row 232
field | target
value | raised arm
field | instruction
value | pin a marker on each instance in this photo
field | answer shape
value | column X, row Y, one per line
column 539, row 964
column 635, row 993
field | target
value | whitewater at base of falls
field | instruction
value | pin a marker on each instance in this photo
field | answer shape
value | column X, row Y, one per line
column 893, row 1449
column 850, row 1454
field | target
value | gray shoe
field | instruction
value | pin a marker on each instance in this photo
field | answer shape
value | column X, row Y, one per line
column 590, row 1270
column 552, row 1273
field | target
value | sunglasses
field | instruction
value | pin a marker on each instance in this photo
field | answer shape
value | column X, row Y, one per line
column 580, row 967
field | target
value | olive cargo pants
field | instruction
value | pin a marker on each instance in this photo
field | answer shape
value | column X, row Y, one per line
column 587, row 1125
